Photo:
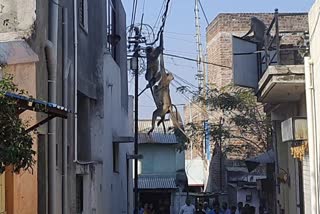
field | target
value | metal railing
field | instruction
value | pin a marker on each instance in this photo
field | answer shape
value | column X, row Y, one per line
column 270, row 54
column 271, row 45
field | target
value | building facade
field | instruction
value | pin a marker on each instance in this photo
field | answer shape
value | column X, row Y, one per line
column 222, row 49
column 278, row 80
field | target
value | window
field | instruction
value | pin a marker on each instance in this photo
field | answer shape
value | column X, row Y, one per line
column 116, row 157
column 83, row 15
column 79, row 193
column 111, row 28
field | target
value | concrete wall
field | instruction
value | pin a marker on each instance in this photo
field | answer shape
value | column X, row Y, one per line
column 115, row 186
column 18, row 19
column 312, row 66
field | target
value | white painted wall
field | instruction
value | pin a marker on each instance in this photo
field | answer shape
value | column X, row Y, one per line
column 312, row 69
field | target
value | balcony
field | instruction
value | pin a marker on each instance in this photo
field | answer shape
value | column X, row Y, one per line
column 281, row 83
column 272, row 67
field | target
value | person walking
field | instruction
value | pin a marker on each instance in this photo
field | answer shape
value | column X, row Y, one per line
column 146, row 209
column 206, row 208
column 188, row 208
column 240, row 207
column 216, row 210
column 233, row 210
column 225, row 209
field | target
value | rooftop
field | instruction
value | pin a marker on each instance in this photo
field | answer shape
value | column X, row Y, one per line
column 158, row 135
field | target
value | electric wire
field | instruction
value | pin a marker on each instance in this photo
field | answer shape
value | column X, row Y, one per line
column 133, row 15
column 164, row 18
column 189, row 59
column 195, row 60
column 135, row 12
column 180, row 39
column 190, row 100
column 204, row 13
column 159, row 15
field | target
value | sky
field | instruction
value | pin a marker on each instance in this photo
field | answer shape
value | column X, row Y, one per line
column 179, row 36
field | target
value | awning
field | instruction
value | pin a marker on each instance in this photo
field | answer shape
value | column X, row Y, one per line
column 30, row 104
column 264, row 158
column 156, row 182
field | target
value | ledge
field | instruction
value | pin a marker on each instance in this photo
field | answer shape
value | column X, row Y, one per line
column 281, row 83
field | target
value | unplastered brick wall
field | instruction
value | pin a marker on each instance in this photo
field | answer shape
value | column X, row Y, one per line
column 221, row 29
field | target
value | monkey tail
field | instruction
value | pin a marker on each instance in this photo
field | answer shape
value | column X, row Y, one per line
column 176, row 123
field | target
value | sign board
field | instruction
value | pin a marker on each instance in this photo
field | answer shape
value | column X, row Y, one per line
column 245, row 63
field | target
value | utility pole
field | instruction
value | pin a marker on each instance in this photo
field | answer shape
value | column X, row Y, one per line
column 135, row 68
column 200, row 74
column 221, row 121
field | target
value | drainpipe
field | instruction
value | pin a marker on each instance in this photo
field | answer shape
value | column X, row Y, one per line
column 51, row 52
column 312, row 135
column 66, row 67
column 52, row 140
column 75, row 15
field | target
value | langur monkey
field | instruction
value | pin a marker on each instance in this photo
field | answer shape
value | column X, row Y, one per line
column 153, row 75
column 161, row 94
column 163, row 101
column 258, row 28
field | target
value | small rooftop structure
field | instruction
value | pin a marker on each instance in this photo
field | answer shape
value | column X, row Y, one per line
column 158, row 135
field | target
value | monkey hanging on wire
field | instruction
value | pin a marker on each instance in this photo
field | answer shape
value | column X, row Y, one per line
column 161, row 92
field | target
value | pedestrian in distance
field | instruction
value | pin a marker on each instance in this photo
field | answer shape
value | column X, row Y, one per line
column 225, row 208
column 141, row 210
column 200, row 210
column 188, row 208
column 146, row 209
column 240, row 207
column 233, row 210
column 206, row 208
column 151, row 209
column 216, row 210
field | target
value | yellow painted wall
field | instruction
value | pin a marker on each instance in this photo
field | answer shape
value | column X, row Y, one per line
column 22, row 188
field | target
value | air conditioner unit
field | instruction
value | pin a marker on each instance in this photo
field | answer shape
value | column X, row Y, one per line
column 294, row 129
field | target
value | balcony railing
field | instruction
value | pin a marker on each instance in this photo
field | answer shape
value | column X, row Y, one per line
column 273, row 47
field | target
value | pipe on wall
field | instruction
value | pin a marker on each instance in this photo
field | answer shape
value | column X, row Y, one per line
column 51, row 54
column 52, row 139
column 66, row 67
column 75, row 15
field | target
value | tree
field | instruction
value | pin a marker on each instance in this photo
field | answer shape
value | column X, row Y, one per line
column 15, row 143
column 235, row 119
